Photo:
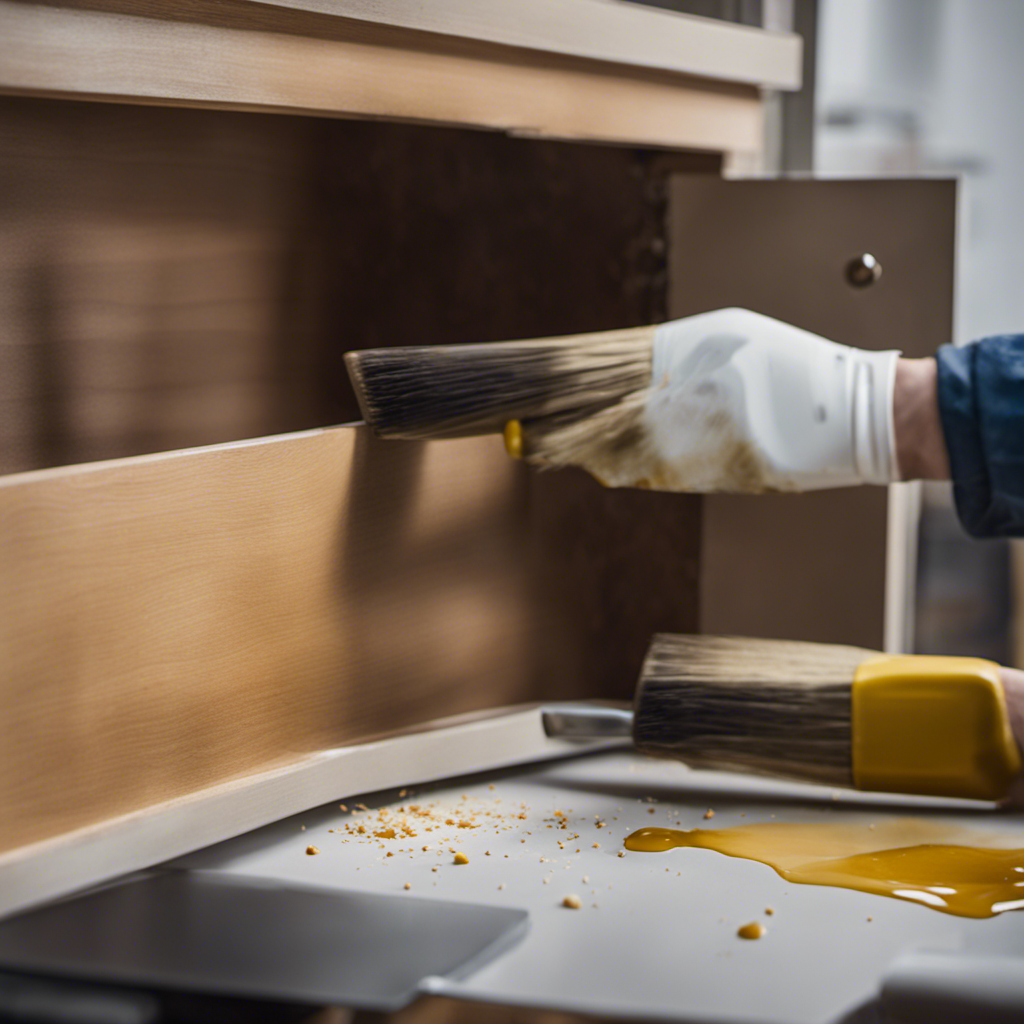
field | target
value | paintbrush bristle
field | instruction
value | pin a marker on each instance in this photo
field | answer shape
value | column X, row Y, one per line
column 775, row 707
column 459, row 390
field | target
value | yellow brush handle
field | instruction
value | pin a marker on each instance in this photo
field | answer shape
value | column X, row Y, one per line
column 514, row 439
column 932, row 725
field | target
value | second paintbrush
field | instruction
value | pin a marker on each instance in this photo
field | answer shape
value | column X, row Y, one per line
column 839, row 716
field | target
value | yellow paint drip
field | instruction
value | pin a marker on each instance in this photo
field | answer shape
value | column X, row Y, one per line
column 954, row 870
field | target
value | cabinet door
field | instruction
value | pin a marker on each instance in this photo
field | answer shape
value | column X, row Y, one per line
column 813, row 566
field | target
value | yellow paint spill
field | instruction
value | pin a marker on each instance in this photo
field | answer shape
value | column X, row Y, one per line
column 954, row 870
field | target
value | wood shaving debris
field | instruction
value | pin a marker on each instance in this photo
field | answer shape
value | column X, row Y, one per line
column 622, row 853
column 752, row 930
column 342, row 807
column 502, row 886
column 573, row 902
column 311, row 851
column 407, row 886
column 461, row 858
column 709, row 813
column 769, row 911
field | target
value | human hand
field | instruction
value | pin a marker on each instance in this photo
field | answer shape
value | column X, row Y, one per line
column 737, row 402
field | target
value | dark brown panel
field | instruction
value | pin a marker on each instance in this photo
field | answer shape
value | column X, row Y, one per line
column 810, row 566
column 173, row 278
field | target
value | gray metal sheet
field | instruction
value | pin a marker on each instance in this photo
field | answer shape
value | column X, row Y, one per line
column 244, row 936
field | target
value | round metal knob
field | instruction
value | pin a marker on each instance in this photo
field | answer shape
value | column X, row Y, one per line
column 863, row 271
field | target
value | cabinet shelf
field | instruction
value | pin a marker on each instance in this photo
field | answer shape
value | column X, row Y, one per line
column 575, row 69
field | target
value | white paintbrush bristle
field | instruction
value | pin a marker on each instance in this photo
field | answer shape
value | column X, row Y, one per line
column 776, row 707
column 458, row 390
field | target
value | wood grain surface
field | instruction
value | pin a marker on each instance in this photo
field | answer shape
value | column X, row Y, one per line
column 244, row 56
column 177, row 624
column 174, row 622
column 618, row 33
column 173, row 278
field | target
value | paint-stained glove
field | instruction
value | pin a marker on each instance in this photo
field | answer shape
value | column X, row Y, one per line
column 738, row 402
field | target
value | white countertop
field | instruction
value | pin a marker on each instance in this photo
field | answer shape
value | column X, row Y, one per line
column 656, row 934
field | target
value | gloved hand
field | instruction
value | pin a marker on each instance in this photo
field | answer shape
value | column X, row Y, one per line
column 738, row 402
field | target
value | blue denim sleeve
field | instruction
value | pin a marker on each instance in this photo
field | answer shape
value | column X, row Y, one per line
column 981, row 404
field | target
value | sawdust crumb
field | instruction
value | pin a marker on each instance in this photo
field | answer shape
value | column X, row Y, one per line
column 461, row 858
column 407, row 886
column 311, row 851
column 751, row 930
column 573, row 902
column 769, row 911
column 622, row 853
column 708, row 814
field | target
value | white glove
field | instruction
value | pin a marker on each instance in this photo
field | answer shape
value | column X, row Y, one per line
column 742, row 402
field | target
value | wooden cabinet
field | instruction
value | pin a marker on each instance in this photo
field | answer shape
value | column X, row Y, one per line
column 265, row 186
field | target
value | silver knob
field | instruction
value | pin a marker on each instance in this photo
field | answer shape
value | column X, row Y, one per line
column 863, row 271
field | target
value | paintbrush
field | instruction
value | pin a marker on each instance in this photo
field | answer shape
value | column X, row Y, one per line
column 724, row 401
column 835, row 715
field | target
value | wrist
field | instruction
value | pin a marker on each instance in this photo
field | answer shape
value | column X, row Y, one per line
column 920, row 444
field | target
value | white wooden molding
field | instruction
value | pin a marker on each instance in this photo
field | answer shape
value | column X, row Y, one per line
column 451, row 747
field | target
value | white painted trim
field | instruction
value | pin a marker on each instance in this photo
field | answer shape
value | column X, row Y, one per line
column 904, row 514
column 447, row 748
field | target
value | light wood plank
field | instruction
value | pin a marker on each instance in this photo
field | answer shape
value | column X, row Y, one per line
column 367, row 70
column 624, row 33
column 174, row 621
column 179, row 629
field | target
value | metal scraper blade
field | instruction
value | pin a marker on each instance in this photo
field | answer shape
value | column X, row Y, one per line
column 255, row 938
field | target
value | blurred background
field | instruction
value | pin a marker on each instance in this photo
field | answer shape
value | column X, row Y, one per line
column 911, row 87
